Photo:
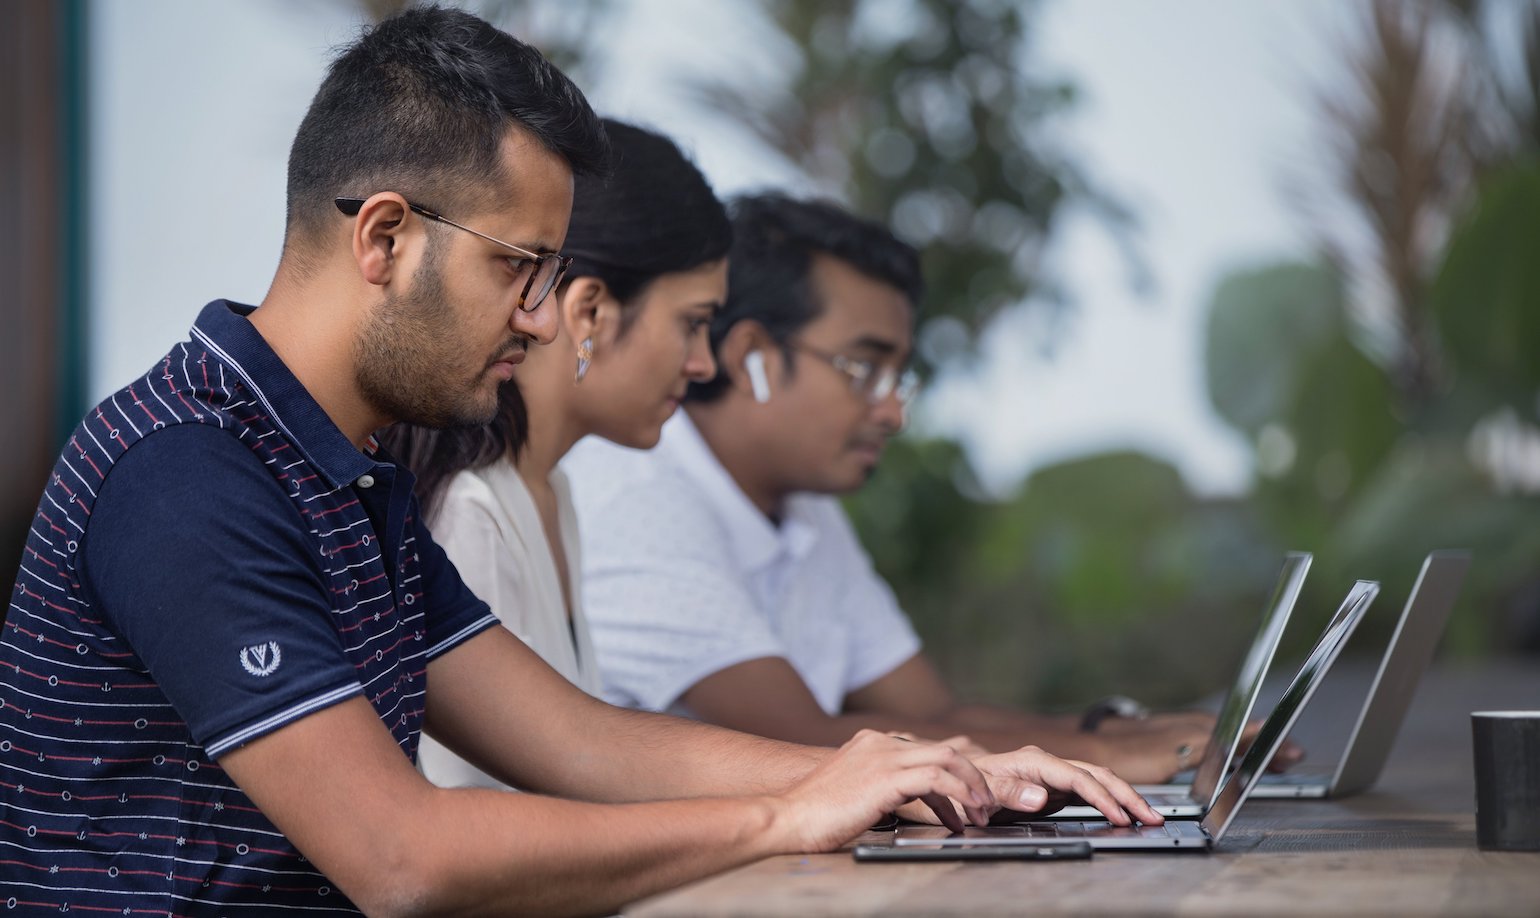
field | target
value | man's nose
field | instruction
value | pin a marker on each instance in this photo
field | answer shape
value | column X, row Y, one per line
column 538, row 324
column 890, row 412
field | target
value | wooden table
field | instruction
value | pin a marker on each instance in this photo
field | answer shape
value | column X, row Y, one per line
column 1407, row 847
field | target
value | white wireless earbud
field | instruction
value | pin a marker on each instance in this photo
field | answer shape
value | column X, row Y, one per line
column 759, row 383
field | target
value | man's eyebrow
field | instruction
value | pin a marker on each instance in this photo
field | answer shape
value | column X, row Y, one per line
column 871, row 343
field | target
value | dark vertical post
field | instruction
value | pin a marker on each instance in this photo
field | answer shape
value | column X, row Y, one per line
column 42, row 251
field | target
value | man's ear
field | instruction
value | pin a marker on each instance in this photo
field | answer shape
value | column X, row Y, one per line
column 744, row 338
column 378, row 234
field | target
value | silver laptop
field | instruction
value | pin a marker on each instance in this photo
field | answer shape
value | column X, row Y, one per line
column 1408, row 654
column 1178, row 835
column 1191, row 801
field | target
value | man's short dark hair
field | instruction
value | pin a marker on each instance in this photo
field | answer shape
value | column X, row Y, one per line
column 420, row 104
column 775, row 239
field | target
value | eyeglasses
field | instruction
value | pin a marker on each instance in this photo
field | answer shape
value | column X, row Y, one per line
column 872, row 381
column 544, row 271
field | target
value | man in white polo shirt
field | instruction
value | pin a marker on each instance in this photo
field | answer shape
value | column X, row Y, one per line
column 721, row 577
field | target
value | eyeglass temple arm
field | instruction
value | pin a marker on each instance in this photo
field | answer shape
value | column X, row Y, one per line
column 351, row 206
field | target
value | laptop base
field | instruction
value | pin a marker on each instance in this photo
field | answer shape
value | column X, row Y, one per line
column 1098, row 833
column 1313, row 789
column 1171, row 799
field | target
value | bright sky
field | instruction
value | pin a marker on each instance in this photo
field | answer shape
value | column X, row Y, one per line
column 1193, row 110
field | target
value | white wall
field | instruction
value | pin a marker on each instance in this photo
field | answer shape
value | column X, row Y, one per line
column 193, row 107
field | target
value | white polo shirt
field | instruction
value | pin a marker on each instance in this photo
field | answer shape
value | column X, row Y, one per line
column 683, row 577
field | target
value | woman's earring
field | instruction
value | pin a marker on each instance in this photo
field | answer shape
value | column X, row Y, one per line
column 585, row 357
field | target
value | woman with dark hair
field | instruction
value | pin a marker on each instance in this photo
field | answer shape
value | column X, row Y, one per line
column 649, row 246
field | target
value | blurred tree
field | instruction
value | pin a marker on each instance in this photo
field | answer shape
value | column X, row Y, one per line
column 1374, row 437
column 1108, row 567
column 1431, row 113
column 1282, row 369
column 1095, row 577
column 1403, row 135
column 924, row 114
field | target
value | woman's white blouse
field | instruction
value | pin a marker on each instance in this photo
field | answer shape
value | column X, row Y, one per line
column 488, row 525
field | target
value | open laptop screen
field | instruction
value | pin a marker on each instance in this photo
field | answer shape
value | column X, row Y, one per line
column 1248, row 682
column 1407, row 655
column 1278, row 723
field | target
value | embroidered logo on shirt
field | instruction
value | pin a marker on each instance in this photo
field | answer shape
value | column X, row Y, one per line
column 261, row 659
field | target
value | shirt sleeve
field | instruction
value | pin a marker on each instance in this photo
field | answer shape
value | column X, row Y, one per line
column 202, row 564
column 664, row 603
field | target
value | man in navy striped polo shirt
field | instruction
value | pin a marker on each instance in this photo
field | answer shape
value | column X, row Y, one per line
column 231, row 627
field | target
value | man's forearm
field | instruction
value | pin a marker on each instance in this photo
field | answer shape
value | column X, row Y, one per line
column 995, row 717
column 558, row 740
column 336, row 785
column 1001, row 736
column 1142, row 750
column 636, row 755
column 1058, row 734
column 497, row 854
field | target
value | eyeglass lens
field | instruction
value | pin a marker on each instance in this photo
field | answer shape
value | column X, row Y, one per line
column 545, row 274
column 889, row 381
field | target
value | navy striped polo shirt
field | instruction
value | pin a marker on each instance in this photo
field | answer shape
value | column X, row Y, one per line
column 212, row 559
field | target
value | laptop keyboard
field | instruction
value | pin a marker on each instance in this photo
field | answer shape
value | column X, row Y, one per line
column 1099, row 830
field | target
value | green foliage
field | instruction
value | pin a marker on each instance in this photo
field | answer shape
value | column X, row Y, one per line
column 923, row 114
column 1096, row 573
column 911, row 513
column 1259, row 324
column 1372, row 488
column 1485, row 297
column 1341, row 423
column 1282, row 369
column 1093, row 578
column 1094, row 525
column 1428, row 494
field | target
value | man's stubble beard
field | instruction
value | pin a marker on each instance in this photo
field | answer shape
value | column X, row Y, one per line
column 404, row 355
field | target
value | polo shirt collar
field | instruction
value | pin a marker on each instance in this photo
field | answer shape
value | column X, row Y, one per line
column 225, row 329
column 756, row 542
